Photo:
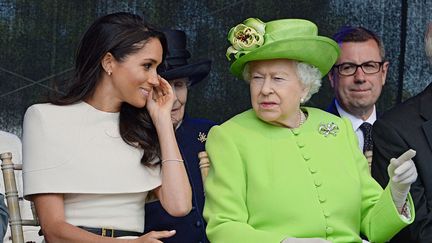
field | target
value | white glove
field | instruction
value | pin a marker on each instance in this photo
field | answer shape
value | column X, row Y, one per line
column 305, row 240
column 402, row 173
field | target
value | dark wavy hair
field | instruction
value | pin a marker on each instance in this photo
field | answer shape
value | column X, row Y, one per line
column 118, row 34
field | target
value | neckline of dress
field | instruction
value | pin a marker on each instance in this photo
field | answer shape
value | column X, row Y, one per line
column 95, row 110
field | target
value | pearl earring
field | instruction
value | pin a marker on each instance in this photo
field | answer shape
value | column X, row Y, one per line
column 109, row 73
column 302, row 100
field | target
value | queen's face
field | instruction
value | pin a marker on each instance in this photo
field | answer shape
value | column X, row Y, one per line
column 276, row 91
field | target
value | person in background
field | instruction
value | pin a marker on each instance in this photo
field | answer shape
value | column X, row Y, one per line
column 191, row 135
column 283, row 172
column 11, row 143
column 357, row 79
column 409, row 126
column 91, row 156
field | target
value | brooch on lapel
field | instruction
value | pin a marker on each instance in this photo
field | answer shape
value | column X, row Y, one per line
column 202, row 137
column 329, row 128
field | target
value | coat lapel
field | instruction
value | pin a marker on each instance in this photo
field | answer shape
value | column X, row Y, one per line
column 426, row 113
column 332, row 108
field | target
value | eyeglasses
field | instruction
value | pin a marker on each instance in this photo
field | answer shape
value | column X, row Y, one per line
column 349, row 69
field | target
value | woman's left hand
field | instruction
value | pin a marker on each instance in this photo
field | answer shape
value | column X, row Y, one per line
column 160, row 101
column 402, row 173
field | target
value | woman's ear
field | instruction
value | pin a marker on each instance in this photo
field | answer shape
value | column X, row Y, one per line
column 305, row 91
column 107, row 63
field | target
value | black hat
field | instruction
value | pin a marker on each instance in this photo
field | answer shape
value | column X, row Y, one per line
column 176, row 65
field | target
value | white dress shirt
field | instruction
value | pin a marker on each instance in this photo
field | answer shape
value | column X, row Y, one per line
column 356, row 122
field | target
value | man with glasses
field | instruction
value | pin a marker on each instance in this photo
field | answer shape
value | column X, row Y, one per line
column 357, row 79
column 409, row 126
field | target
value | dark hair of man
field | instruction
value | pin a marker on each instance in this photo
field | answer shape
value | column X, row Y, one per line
column 358, row 34
column 120, row 34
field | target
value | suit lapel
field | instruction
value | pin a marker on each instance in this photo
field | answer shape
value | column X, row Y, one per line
column 332, row 108
column 426, row 113
column 427, row 128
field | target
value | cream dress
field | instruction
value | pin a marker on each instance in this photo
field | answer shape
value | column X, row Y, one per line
column 76, row 150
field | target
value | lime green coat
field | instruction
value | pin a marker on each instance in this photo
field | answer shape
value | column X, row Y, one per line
column 267, row 183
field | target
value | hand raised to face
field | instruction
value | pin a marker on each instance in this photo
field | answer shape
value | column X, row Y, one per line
column 160, row 101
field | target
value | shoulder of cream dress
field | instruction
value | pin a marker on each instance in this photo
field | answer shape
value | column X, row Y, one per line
column 78, row 149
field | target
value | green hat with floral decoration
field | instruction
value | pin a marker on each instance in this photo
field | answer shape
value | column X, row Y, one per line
column 295, row 39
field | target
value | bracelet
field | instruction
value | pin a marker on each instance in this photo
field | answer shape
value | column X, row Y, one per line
column 173, row 160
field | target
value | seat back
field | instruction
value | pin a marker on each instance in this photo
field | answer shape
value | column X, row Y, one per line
column 368, row 154
column 204, row 164
column 12, row 199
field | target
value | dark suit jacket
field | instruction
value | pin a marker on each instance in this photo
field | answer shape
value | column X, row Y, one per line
column 191, row 228
column 332, row 108
column 406, row 126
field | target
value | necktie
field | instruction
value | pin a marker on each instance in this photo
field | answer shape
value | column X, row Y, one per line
column 367, row 135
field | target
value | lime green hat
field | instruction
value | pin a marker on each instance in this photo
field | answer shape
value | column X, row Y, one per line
column 295, row 39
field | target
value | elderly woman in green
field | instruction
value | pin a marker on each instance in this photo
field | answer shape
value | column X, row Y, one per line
column 282, row 172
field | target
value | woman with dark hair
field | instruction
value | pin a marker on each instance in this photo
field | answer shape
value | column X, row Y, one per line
column 91, row 157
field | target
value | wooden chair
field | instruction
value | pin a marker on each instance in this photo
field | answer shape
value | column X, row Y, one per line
column 12, row 199
column 368, row 155
column 204, row 164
